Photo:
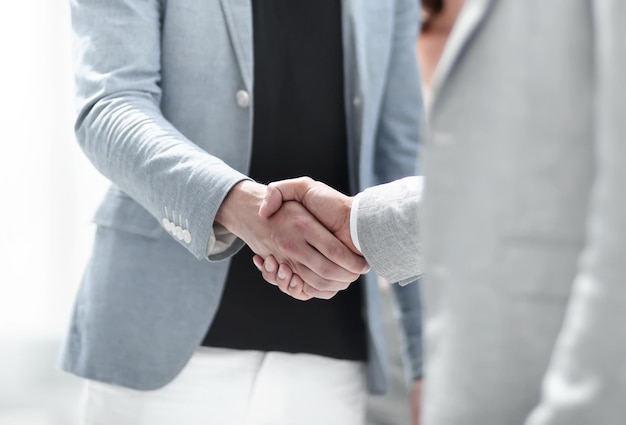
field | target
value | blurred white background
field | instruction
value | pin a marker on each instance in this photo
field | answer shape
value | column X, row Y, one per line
column 48, row 192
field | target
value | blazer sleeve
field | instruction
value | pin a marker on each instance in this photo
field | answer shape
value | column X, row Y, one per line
column 387, row 229
column 586, row 382
column 120, row 126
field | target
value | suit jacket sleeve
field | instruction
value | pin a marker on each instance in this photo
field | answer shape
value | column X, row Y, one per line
column 387, row 228
column 586, row 382
column 120, row 126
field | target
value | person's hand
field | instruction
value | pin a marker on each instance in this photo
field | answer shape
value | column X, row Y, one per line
column 287, row 281
column 293, row 236
column 415, row 402
column 330, row 207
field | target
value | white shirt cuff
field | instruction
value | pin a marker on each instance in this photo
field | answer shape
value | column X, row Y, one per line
column 353, row 218
column 220, row 240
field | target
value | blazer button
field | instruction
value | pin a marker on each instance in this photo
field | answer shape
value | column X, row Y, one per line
column 243, row 99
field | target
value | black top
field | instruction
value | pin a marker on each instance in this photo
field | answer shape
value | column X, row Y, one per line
column 299, row 129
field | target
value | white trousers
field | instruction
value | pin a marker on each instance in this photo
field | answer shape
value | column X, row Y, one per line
column 235, row 387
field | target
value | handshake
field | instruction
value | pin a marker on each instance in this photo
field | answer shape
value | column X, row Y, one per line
column 299, row 230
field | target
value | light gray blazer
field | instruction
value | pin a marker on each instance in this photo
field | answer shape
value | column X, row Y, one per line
column 523, row 216
column 165, row 101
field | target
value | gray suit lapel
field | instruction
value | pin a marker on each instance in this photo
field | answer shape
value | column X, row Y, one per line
column 238, row 15
column 473, row 14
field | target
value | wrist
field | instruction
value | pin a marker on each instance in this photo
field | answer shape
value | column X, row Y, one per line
column 244, row 198
column 347, row 236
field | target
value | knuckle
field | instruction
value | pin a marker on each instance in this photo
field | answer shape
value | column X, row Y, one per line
column 334, row 251
column 327, row 271
column 301, row 223
column 287, row 245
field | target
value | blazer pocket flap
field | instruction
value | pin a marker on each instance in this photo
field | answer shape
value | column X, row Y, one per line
column 121, row 212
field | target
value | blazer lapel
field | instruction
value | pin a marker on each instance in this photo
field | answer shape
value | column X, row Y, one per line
column 238, row 15
column 473, row 14
column 366, row 24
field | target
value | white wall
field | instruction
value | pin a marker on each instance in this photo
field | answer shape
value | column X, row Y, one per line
column 48, row 192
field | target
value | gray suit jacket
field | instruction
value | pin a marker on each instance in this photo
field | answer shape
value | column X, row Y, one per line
column 524, row 217
column 165, row 112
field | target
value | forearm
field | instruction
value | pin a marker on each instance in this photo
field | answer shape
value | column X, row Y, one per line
column 129, row 142
column 122, row 130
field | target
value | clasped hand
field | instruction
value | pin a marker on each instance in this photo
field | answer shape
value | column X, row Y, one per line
column 299, row 231
column 330, row 207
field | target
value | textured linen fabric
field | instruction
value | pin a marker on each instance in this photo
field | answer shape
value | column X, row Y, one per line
column 386, row 221
column 523, row 216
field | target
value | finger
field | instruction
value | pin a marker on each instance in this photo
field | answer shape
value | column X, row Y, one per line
column 258, row 262
column 288, row 282
column 270, row 265
column 272, row 201
column 314, row 293
column 293, row 287
column 334, row 251
column 314, row 268
column 318, row 282
column 283, row 277
column 263, row 266
column 283, row 191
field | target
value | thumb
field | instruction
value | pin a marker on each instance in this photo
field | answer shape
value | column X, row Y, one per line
column 283, row 191
column 272, row 201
